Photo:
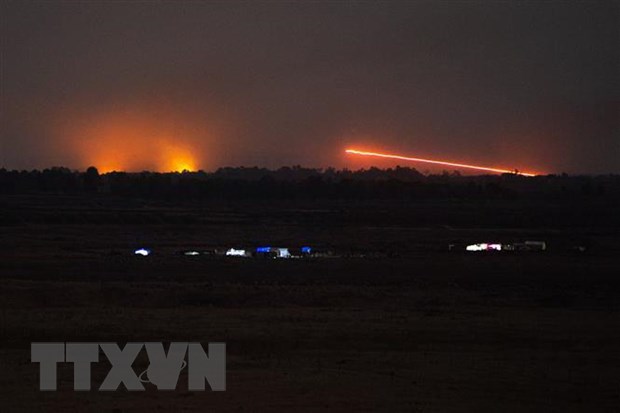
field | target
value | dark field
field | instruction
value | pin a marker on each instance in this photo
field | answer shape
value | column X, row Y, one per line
column 422, row 330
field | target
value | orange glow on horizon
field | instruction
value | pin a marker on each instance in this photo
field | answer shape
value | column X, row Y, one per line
column 181, row 166
column 172, row 161
column 454, row 164
column 104, row 169
column 179, row 160
column 134, row 138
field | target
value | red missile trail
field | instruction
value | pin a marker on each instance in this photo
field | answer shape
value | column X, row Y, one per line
column 457, row 165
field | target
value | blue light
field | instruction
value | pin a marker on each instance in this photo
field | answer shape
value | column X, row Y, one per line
column 263, row 249
column 306, row 250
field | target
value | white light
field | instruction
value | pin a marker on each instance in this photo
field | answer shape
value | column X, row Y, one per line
column 191, row 253
column 283, row 253
column 236, row 253
column 484, row 247
column 142, row 251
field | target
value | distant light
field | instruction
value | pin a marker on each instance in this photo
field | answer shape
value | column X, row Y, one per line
column 476, row 247
column 191, row 253
column 263, row 249
column 143, row 252
column 306, row 250
column 283, row 253
column 484, row 247
column 236, row 253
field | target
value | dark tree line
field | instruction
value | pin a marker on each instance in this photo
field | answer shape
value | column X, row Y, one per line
column 305, row 183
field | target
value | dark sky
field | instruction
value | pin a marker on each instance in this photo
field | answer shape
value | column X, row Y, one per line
column 150, row 85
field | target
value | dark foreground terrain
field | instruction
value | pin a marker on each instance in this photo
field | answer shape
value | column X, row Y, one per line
column 416, row 329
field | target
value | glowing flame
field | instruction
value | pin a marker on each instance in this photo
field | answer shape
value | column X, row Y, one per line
column 178, row 159
column 181, row 165
column 457, row 165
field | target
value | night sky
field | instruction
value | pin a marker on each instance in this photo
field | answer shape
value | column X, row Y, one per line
column 160, row 85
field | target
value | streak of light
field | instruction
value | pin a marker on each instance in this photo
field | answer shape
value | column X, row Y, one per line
column 457, row 165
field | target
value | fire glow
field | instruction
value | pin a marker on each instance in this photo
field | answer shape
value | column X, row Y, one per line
column 136, row 136
column 456, row 165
